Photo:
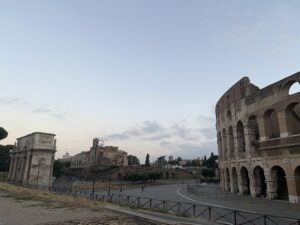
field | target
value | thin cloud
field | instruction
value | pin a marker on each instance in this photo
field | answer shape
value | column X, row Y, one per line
column 41, row 110
column 9, row 100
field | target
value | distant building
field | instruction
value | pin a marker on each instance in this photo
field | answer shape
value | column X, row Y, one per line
column 66, row 158
column 171, row 158
column 100, row 155
column 32, row 159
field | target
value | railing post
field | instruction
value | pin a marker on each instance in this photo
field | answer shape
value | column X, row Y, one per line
column 164, row 205
column 128, row 200
column 265, row 219
column 178, row 209
column 194, row 210
column 209, row 213
column 139, row 201
column 234, row 216
column 150, row 203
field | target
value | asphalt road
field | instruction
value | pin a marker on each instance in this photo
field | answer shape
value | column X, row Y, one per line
column 177, row 193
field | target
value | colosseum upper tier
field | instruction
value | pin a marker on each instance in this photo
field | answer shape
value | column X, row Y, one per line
column 258, row 133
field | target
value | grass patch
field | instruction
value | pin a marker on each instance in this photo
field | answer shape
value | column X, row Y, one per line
column 47, row 199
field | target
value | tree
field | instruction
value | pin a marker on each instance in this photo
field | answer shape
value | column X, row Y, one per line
column 133, row 160
column 4, row 157
column 147, row 162
column 3, row 133
column 161, row 161
column 57, row 168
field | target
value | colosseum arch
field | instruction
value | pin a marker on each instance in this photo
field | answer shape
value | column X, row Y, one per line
column 235, row 185
column 245, row 181
column 292, row 113
column 220, row 144
column 229, row 116
column 253, row 128
column 240, row 137
column 227, row 183
column 231, row 142
column 260, row 186
column 297, row 181
column 291, row 87
column 224, row 144
column 278, row 183
column 271, row 124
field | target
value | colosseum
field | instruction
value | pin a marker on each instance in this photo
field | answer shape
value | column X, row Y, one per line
column 258, row 133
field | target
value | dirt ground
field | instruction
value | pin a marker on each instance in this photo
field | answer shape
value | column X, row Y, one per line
column 22, row 206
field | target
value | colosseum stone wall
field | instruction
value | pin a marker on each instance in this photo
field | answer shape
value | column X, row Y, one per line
column 258, row 133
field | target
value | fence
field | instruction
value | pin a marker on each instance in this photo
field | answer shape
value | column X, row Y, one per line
column 215, row 195
column 216, row 214
column 211, row 213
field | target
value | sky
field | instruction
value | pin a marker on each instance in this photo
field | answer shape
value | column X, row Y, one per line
column 141, row 75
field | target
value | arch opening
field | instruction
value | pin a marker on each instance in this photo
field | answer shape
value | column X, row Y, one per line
column 231, row 142
column 220, row 147
column 297, row 181
column 224, row 145
column 245, row 184
column 294, row 88
column 278, row 183
column 260, row 186
column 271, row 124
column 241, row 137
column 292, row 113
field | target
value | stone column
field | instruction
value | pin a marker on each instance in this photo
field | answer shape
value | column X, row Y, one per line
column 282, row 121
column 248, row 140
column 28, row 154
column 15, row 172
column 271, row 184
column 11, row 167
column 261, row 128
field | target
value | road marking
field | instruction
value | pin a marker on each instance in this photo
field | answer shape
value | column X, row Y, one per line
column 210, row 204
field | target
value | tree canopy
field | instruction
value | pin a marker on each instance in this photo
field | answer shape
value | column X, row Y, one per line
column 133, row 160
column 147, row 161
column 3, row 133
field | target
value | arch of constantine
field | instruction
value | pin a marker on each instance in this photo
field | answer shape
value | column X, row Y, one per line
column 258, row 133
column 32, row 159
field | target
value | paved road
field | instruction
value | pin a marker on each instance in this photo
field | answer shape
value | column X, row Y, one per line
column 179, row 193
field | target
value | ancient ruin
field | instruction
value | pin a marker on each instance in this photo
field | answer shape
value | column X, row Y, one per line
column 32, row 159
column 99, row 155
column 258, row 133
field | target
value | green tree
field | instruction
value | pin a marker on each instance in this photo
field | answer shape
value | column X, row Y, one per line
column 57, row 168
column 3, row 133
column 5, row 157
column 133, row 160
column 147, row 162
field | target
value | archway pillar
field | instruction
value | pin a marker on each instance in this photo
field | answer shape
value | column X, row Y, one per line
column 261, row 128
column 282, row 121
column 271, row 185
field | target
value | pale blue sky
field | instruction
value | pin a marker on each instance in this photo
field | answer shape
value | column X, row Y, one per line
column 143, row 75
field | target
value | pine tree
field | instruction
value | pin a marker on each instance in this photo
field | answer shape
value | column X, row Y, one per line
column 147, row 162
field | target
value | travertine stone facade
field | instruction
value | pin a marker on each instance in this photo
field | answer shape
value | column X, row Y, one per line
column 258, row 133
column 100, row 155
column 32, row 159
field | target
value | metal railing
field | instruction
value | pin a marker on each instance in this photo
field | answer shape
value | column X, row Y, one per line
column 216, row 214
